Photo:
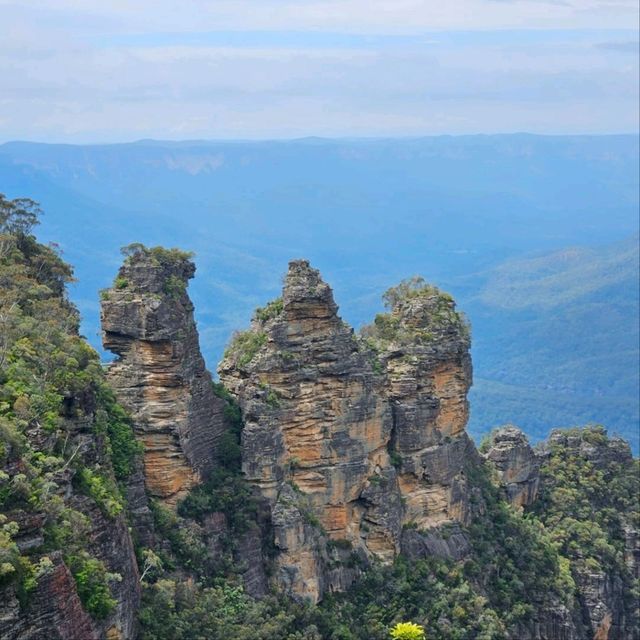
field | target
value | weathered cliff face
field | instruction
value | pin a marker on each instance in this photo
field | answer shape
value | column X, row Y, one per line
column 608, row 610
column 316, row 430
column 147, row 320
column 325, row 416
column 423, row 345
column 67, row 566
column 53, row 609
column 517, row 464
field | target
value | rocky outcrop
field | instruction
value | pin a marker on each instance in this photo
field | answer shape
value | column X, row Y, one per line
column 316, row 429
column 423, row 346
column 603, row 589
column 350, row 440
column 54, row 612
column 517, row 464
column 556, row 622
column 447, row 541
column 160, row 376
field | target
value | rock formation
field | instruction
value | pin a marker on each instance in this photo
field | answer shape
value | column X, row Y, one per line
column 354, row 448
column 516, row 462
column 609, row 611
column 329, row 417
column 159, row 376
column 55, row 611
column 423, row 345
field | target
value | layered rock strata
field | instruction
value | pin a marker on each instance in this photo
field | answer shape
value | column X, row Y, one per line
column 423, row 345
column 160, row 376
column 517, row 464
column 55, row 611
column 328, row 419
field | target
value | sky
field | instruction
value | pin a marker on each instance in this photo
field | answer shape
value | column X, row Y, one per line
column 84, row 71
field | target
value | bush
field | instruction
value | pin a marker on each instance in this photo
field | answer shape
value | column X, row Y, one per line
column 223, row 492
column 174, row 286
column 390, row 328
column 113, row 421
column 120, row 282
column 229, row 450
column 407, row 631
column 271, row 310
column 92, row 583
column 245, row 346
column 102, row 490
column 159, row 255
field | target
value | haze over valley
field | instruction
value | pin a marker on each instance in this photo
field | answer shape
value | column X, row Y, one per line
column 535, row 236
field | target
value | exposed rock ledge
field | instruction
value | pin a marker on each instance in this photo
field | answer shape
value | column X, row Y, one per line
column 517, row 464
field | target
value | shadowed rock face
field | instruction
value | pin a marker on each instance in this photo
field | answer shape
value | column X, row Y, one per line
column 517, row 464
column 160, row 376
column 608, row 613
column 428, row 375
column 324, row 414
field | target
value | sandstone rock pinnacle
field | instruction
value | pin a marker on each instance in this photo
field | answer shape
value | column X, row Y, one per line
column 348, row 438
column 160, row 376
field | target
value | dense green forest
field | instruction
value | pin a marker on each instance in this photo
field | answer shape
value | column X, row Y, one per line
column 552, row 335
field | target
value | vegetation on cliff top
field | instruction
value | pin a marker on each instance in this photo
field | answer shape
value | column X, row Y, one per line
column 52, row 388
column 270, row 311
column 589, row 498
column 157, row 255
column 244, row 346
column 437, row 315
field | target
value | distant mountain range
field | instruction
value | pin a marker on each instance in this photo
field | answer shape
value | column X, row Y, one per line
column 534, row 235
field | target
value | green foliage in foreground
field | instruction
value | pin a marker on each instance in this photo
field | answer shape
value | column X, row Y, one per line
column 182, row 611
column 52, row 387
column 407, row 631
column 433, row 593
column 92, row 583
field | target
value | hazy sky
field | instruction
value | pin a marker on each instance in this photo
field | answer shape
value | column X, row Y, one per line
column 118, row 70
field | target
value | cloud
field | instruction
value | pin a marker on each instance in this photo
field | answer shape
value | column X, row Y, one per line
column 352, row 16
column 89, row 71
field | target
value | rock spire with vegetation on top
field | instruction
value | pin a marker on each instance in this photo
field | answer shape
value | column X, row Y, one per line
column 160, row 376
